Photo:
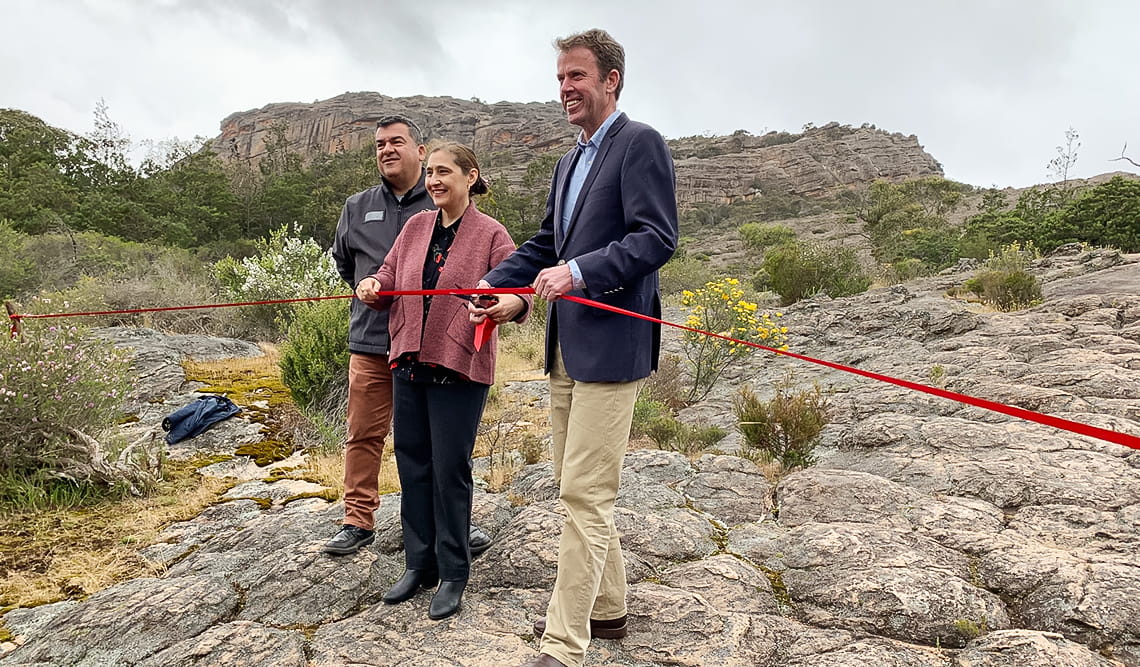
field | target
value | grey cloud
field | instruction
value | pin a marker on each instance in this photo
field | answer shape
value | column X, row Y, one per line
column 375, row 35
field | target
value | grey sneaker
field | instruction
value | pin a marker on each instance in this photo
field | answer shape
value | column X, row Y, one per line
column 349, row 540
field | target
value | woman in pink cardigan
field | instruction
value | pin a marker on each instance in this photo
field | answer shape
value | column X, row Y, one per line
column 439, row 380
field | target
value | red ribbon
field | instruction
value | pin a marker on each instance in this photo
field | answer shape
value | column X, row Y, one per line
column 1013, row 411
column 483, row 333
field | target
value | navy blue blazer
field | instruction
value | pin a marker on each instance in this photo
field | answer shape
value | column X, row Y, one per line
column 622, row 230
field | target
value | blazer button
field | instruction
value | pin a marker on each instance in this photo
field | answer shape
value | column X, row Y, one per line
column 561, row 262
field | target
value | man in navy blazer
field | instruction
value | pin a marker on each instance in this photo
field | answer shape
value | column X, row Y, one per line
column 610, row 224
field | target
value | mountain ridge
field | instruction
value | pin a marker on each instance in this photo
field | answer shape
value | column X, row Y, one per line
column 508, row 136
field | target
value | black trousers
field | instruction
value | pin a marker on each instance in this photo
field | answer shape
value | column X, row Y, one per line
column 434, row 428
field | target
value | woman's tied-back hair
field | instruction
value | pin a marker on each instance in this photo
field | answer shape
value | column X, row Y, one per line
column 609, row 54
column 465, row 159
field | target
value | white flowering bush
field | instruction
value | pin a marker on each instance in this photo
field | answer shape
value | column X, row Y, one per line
column 285, row 267
column 58, row 391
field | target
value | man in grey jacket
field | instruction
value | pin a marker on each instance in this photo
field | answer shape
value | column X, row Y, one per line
column 369, row 224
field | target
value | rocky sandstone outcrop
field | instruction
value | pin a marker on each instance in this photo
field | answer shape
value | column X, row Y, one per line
column 929, row 533
column 508, row 136
column 820, row 161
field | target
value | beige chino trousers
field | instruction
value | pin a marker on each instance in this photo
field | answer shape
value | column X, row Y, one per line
column 590, row 428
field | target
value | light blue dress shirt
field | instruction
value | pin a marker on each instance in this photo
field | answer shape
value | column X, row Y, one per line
column 589, row 151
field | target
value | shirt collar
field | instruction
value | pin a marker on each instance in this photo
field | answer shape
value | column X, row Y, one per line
column 596, row 140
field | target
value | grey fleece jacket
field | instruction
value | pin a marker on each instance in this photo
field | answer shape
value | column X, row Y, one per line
column 368, row 226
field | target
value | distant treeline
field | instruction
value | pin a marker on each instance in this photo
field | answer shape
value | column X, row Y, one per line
column 184, row 195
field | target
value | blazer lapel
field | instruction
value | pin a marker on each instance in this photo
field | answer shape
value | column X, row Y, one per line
column 560, row 184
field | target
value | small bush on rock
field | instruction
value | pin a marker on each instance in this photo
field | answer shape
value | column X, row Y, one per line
column 784, row 429
column 654, row 420
column 1005, row 284
column 1006, row 290
column 719, row 307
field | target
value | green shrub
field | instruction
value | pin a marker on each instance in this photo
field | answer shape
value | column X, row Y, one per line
column 87, row 295
column 16, row 270
column 908, row 219
column 935, row 246
column 976, row 243
column 785, row 429
column 904, row 270
column 656, row 421
column 759, row 236
column 1107, row 215
column 1006, row 290
column 800, row 270
column 694, row 438
column 684, row 272
column 1013, row 257
column 52, row 381
column 314, row 360
column 90, row 272
column 646, row 412
column 1050, row 216
column 1005, row 284
column 160, row 289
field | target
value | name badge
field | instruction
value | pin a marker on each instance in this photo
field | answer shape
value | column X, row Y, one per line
column 374, row 215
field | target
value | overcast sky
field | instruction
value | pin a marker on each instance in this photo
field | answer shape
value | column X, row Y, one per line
column 989, row 87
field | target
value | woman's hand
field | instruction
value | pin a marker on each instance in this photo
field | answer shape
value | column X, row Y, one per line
column 366, row 290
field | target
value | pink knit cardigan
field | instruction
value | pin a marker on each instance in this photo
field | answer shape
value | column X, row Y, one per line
column 447, row 338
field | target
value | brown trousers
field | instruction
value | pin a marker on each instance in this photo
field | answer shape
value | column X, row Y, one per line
column 369, row 419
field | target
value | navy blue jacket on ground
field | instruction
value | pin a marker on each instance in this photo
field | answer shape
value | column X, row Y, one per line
column 194, row 418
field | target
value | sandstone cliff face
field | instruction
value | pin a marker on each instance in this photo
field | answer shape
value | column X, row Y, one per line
column 505, row 133
column 819, row 162
column 507, row 136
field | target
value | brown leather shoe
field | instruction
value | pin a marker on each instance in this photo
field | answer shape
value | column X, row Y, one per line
column 614, row 628
column 543, row 660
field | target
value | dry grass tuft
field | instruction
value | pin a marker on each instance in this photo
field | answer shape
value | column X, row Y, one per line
column 327, row 468
column 72, row 553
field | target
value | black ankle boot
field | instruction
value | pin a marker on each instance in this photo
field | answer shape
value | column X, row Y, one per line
column 446, row 600
column 409, row 584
